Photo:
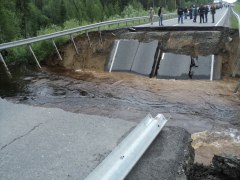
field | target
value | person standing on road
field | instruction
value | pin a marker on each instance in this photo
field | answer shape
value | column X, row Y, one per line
column 160, row 16
column 180, row 15
column 201, row 12
column 206, row 13
column 213, row 11
column 190, row 12
column 185, row 12
column 151, row 14
column 194, row 12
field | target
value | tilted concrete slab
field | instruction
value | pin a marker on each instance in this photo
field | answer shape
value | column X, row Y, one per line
column 124, row 57
column 144, row 59
column 48, row 143
column 174, row 66
column 131, row 55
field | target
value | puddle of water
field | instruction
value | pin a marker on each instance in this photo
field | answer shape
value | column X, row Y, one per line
column 17, row 85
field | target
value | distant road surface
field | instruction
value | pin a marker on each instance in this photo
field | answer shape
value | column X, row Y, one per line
column 219, row 20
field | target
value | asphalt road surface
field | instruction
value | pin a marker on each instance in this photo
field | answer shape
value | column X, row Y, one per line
column 220, row 17
column 49, row 143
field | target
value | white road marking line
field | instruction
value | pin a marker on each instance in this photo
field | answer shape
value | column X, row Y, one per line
column 114, row 56
column 163, row 55
column 212, row 65
column 222, row 18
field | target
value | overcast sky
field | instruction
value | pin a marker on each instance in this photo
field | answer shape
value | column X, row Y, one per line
column 230, row 1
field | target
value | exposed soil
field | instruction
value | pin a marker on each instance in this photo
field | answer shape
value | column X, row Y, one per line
column 79, row 84
column 93, row 54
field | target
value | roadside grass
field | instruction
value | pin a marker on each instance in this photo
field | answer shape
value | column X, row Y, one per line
column 234, row 22
column 237, row 7
column 233, row 19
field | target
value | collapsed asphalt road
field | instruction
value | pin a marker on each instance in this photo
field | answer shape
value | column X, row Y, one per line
column 79, row 85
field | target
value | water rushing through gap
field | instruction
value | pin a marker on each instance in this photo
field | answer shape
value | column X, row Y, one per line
column 124, row 96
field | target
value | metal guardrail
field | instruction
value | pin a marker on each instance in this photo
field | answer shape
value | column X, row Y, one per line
column 238, row 52
column 122, row 159
column 72, row 31
column 69, row 32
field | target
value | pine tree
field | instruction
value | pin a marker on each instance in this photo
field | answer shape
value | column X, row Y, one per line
column 94, row 10
column 8, row 22
column 63, row 12
column 22, row 9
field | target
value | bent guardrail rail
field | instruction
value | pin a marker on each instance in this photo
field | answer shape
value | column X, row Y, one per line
column 122, row 159
column 69, row 32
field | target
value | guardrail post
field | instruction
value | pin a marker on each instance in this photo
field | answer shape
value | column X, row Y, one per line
column 100, row 35
column 5, row 65
column 88, row 39
column 35, row 58
column 59, row 55
column 75, row 47
column 118, row 24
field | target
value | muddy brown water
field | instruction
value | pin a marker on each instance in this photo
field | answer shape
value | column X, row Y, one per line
column 196, row 105
column 127, row 96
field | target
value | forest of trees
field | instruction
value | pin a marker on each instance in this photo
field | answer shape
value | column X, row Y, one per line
column 24, row 18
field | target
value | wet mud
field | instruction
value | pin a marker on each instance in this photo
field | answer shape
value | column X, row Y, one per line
column 195, row 105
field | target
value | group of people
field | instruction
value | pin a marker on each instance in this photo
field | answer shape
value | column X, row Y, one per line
column 151, row 14
column 192, row 12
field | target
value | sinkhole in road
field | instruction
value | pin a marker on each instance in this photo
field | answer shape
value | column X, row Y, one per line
column 146, row 58
column 168, row 53
column 92, row 93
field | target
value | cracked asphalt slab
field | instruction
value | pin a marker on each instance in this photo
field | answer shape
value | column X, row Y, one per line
column 166, row 158
column 48, row 143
